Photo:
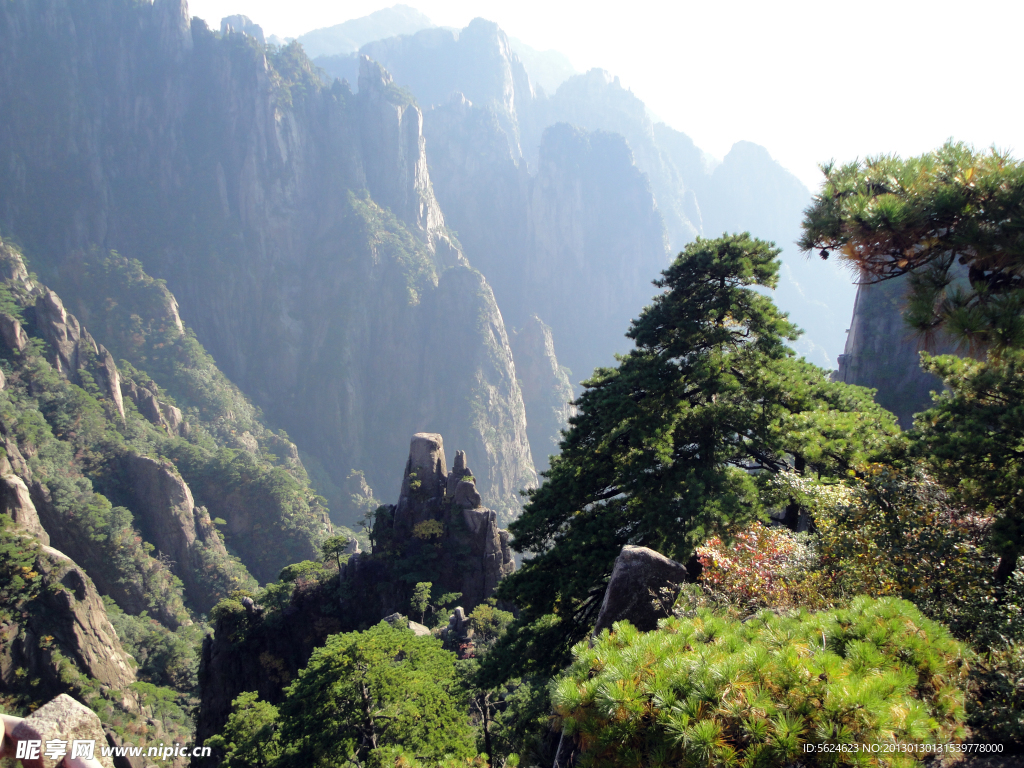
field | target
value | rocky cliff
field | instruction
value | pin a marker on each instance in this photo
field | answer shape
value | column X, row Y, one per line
column 480, row 95
column 883, row 352
column 295, row 223
column 438, row 531
column 547, row 390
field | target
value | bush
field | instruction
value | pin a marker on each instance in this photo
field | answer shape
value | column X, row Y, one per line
column 762, row 567
column 709, row 690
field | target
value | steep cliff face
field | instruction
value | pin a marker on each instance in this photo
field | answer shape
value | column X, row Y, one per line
column 883, row 352
column 62, row 639
column 481, row 183
column 295, row 223
column 478, row 62
column 577, row 243
column 547, row 390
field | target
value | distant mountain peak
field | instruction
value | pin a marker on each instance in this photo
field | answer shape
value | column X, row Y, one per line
column 349, row 36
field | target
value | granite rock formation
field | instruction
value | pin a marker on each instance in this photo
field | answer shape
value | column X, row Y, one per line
column 438, row 531
column 73, row 618
column 642, row 588
column 17, row 503
column 66, row 720
column 547, row 390
column 486, row 129
column 883, row 352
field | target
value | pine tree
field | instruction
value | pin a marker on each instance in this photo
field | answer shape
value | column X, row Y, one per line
column 923, row 217
column 665, row 448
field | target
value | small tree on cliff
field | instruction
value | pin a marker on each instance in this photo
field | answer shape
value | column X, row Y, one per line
column 333, row 548
column 665, row 448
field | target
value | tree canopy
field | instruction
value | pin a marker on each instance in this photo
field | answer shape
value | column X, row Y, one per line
column 952, row 219
column 971, row 440
column 665, row 448
column 375, row 690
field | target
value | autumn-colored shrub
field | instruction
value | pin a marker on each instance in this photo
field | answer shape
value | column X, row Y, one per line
column 762, row 566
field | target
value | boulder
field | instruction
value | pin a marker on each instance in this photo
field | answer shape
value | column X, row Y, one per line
column 13, row 334
column 418, row 629
column 16, row 503
column 635, row 592
column 77, row 620
column 65, row 719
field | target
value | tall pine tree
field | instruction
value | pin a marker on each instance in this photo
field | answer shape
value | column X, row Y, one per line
column 666, row 448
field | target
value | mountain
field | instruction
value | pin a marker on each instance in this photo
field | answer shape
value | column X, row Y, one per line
column 295, row 223
column 692, row 194
column 349, row 36
column 131, row 507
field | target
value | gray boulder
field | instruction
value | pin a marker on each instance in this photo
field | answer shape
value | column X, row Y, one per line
column 65, row 719
column 643, row 585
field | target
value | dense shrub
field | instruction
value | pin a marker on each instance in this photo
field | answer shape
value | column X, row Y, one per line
column 761, row 567
column 712, row 690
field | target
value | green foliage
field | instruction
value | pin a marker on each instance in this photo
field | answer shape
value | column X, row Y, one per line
column 923, row 216
column 661, row 451
column 250, row 736
column 420, row 600
column 278, row 506
column 367, row 691
column 971, row 438
column 709, row 690
column 19, row 581
column 333, row 548
column 307, row 569
column 488, row 622
column 996, row 708
column 165, row 658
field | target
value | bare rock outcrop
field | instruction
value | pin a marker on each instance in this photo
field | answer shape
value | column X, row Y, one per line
column 642, row 588
column 13, row 334
column 547, row 391
column 882, row 352
column 168, row 518
column 441, row 511
column 73, row 349
column 16, row 503
column 72, row 620
column 155, row 411
column 66, row 720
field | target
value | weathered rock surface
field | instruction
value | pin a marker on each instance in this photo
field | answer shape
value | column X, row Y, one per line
column 74, row 349
column 64, row 719
column 438, row 521
column 16, row 502
column 883, row 352
column 13, row 334
column 75, row 619
column 156, row 411
column 547, row 391
column 473, row 553
column 296, row 223
column 642, row 588
column 168, row 518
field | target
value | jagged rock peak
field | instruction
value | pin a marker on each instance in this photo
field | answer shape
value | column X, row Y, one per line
column 372, row 76
column 244, row 25
column 16, row 503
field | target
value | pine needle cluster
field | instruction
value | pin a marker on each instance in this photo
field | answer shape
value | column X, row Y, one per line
column 711, row 690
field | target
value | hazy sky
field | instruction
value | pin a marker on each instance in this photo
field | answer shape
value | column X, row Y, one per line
column 808, row 80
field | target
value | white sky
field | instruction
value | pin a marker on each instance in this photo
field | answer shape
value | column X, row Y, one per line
column 808, row 79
